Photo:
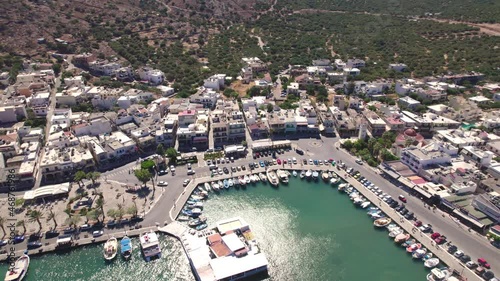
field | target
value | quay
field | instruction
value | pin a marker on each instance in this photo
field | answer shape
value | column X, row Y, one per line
column 439, row 251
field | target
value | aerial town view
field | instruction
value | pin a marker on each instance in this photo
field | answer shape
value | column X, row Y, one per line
column 250, row 140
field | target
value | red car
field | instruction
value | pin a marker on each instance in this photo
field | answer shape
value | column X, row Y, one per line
column 279, row 161
column 440, row 240
column 402, row 198
column 435, row 235
column 418, row 223
column 483, row 263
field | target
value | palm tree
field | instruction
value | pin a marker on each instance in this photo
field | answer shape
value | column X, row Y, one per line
column 73, row 220
column 36, row 216
column 119, row 211
column 2, row 222
column 94, row 214
column 100, row 205
column 52, row 216
column 112, row 213
column 79, row 177
column 93, row 176
column 23, row 224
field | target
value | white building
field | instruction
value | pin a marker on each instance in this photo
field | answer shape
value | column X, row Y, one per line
column 12, row 113
column 407, row 102
column 215, row 82
column 166, row 91
column 351, row 71
column 355, row 63
column 397, row 67
column 419, row 159
column 76, row 81
column 481, row 157
column 153, row 76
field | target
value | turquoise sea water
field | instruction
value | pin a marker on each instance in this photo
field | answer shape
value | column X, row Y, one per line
column 308, row 230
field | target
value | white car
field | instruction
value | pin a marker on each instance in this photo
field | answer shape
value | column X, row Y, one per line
column 294, row 160
column 172, row 168
column 311, row 162
column 359, row 161
column 220, row 171
column 186, row 182
column 189, row 166
column 458, row 254
column 320, row 162
column 97, row 233
column 162, row 183
column 191, row 172
column 223, row 161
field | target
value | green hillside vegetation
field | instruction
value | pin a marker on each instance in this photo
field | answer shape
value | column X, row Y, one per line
column 466, row 10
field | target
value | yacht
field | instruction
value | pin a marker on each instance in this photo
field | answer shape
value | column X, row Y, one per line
column 263, row 177
column 309, row 173
column 271, row 176
column 302, row 174
column 207, row 187
column 294, row 173
column 150, row 245
column 215, row 186
column 438, row 274
column 126, row 247
column 282, row 175
column 325, row 176
column 342, row 186
column 247, row 179
column 18, row 271
column 110, row 248
column 315, row 175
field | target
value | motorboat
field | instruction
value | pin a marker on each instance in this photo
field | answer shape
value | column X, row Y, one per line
column 282, row 175
column 413, row 247
column 438, row 274
column 215, row 186
column 221, row 184
column 110, row 248
column 18, row 271
column 273, row 179
column 201, row 226
column 330, row 174
column 378, row 215
column 365, row 204
column 196, row 212
column 382, row 222
column 294, row 173
column 309, row 173
column 348, row 189
column 197, row 197
column 325, row 176
column 401, row 237
column 252, row 179
column 230, row 182
column 126, row 247
column 247, row 179
column 315, row 175
column 236, row 182
column 431, row 263
column 207, row 187
column 408, row 243
column 427, row 256
column 302, row 174
column 195, row 222
column 420, row 253
column 150, row 245
column 334, row 180
column 395, row 233
column 373, row 211
column 195, row 205
column 342, row 186
column 183, row 218
column 226, row 184
column 256, row 177
column 262, row 177
column 392, row 227
column 242, row 180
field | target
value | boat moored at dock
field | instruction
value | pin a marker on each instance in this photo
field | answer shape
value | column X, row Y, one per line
column 302, row 174
column 110, row 248
column 263, row 177
column 283, row 176
column 431, row 263
column 150, row 245
column 382, row 222
column 271, row 176
column 126, row 247
column 438, row 274
column 18, row 271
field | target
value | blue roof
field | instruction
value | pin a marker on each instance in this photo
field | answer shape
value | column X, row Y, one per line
column 125, row 245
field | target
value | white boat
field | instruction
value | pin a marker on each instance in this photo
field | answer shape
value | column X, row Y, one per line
column 309, row 173
column 230, row 182
column 150, row 245
column 334, row 180
column 365, row 204
column 255, row 178
column 110, row 248
column 126, row 247
column 247, row 179
column 432, row 262
column 294, row 173
column 215, row 185
column 252, row 179
column 221, row 184
column 325, row 176
column 401, row 238
column 242, row 180
column 263, row 177
column 420, row 253
column 438, row 274
column 342, row 186
column 395, row 232
column 302, row 174
column 196, row 211
column 273, row 179
column 282, row 175
column 315, row 174
column 392, row 227
column 236, row 181
column 207, row 187
column 330, row 174
column 359, row 200
column 18, row 271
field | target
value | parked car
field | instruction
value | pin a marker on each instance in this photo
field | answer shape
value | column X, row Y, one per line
column 85, row 227
column 233, row 169
column 440, row 240
column 162, row 183
column 359, row 161
column 34, row 244
column 417, row 223
column 452, row 249
column 471, row 264
column 299, row 151
column 226, row 170
column 18, row 239
column 69, row 230
column 409, row 216
column 458, row 254
column 172, row 168
column 402, row 198
column 97, row 233
column 186, row 182
column 435, row 235
column 191, row 172
column 426, row 228
column 262, row 163
column 465, row 258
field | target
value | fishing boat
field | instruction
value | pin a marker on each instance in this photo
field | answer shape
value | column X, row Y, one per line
column 201, row 226
column 432, row 262
column 302, row 174
column 226, row 184
column 382, row 222
column 215, row 186
column 334, row 180
column 413, row 247
column 365, row 204
column 427, row 256
column 419, row 253
column 372, row 211
column 150, row 245
column 196, row 212
column 282, row 175
column 294, row 173
column 207, row 187
column 325, row 176
column 195, row 222
column 377, row 215
column 309, row 173
column 236, row 182
column 438, row 274
column 263, row 177
column 110, row 248
column 18, row 271
column 252, row 179
column 241, row 180
column 197, row 197
column 342, row 186
column 126, row 247
column 230, row 182
column 395, row 232
column 401, row 237
column 247, row 179
column 408, row 243
column 315, row 175
column 195, row 205
column 331, row 175
column 271, row 176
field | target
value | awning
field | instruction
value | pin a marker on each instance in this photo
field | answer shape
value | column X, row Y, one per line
column 476, row 223
column 46, row 191
column 422, row 192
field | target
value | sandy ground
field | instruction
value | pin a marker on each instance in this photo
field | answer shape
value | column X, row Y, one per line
column 241, row 88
